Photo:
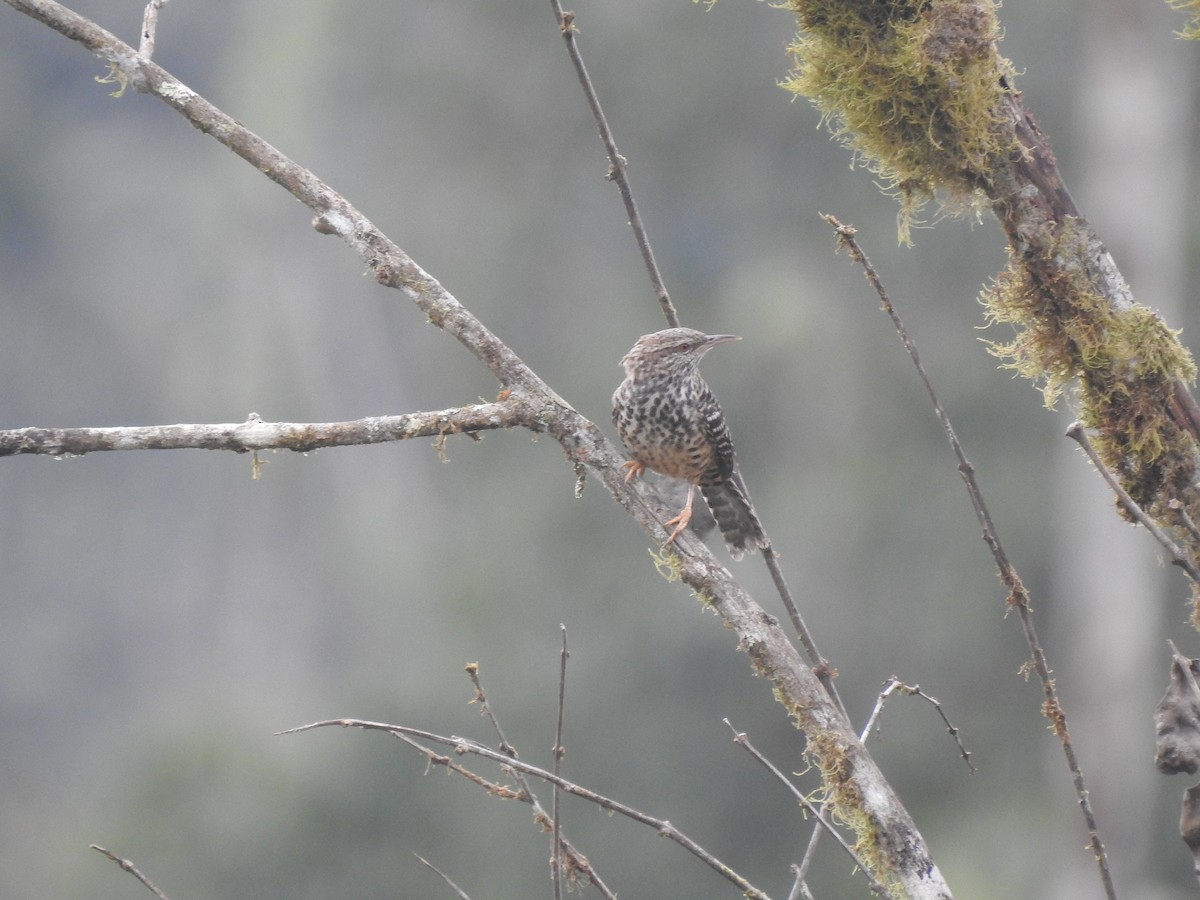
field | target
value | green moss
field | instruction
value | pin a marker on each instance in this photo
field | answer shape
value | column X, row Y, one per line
column 913, row 88
column 1192, row 30
column 1125, row 360
column 668, row 564
column 839, row 792
column 843, row 801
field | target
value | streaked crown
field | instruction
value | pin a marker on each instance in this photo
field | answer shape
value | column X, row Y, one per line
column 672, row 349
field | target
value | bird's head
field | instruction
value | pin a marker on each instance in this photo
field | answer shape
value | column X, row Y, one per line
column 674, row 348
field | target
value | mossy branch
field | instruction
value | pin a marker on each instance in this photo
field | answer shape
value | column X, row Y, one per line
column 919, row 91
column 914, row 88
column 1192, row 30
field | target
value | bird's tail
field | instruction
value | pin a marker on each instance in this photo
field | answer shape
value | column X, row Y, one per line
column 735, row 516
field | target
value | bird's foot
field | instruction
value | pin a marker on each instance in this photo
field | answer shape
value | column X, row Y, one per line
column 635, row 469
column 680, row 522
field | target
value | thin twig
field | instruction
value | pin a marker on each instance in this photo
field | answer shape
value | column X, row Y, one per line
column 492, row 788
column 889, row 687
column 464, row 745
column 1078, row 434
column 149, row 27
column 1018, row 596
column 740, row 737
column 556, row 857
column 575, row 860
column 454, row 887
column 799, row 889
column 617, row 165
column 821, row 668
column 131, row 869
column 618, row 173
column 810, row 853
column 893, row 685
column 485, row 709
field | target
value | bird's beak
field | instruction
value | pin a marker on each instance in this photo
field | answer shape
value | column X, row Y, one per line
column 713, row 339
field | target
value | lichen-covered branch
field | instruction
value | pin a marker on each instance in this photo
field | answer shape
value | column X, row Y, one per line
column 255, row 434
column 920, row 92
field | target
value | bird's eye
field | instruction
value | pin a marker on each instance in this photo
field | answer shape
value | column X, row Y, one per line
column 685, row 346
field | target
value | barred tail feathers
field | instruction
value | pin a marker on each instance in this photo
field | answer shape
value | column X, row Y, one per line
column 735, row 517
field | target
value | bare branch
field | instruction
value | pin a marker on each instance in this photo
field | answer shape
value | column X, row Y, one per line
column 464, row 745
column 893, row 685
column 821, row 668
column 1018, row 597
column 577, row 865
column 559, row 752
column 255, row 434
column 454, row 887
column 129, row 867
column 150, row 27
column 617, row 165
column 799, row 889
column 333, row 214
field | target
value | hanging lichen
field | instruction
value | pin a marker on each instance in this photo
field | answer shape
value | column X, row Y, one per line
column 1124, row 359
column 914, row 88
column 1191, row 31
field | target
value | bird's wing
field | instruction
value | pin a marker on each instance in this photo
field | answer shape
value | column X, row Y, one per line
column 719, row 438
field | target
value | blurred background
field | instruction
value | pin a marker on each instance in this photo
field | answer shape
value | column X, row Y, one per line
column 162, row 614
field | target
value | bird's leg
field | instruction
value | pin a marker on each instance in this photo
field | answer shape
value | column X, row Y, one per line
column 635, row 469
column 685, row 516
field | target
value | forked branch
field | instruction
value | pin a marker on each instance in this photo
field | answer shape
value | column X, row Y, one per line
column 461, row 746
column 891, row 845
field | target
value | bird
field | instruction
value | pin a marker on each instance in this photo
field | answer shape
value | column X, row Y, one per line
column 670, row 422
